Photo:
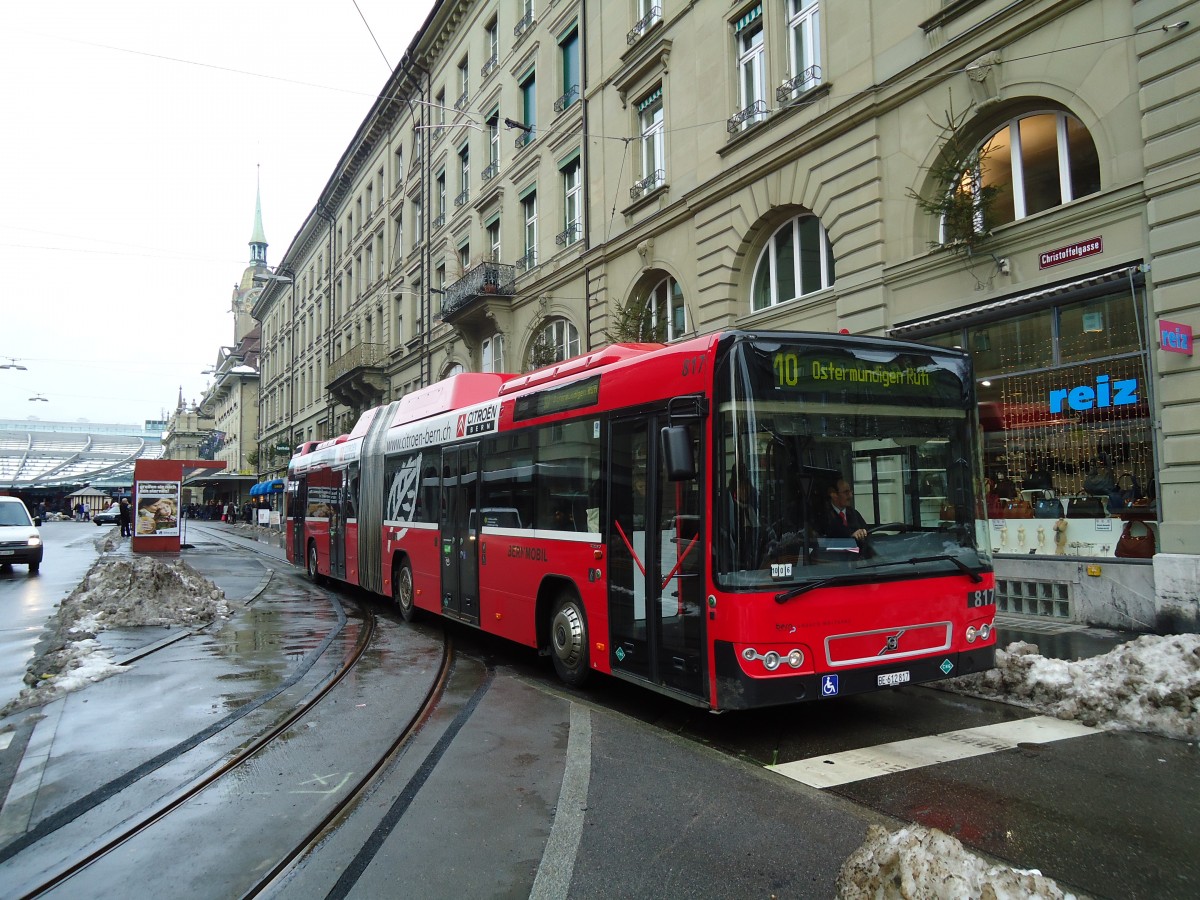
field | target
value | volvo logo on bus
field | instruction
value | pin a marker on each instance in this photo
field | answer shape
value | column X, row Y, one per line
column 893, row 642
column 478, row 421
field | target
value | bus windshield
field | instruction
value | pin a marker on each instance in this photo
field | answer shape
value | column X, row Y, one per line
column 842, row 459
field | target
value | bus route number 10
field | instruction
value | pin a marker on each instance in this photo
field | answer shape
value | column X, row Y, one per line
column 787, row 369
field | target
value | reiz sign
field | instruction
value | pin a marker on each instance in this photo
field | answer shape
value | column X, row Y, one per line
column 1106, row 393
column 1175, row 337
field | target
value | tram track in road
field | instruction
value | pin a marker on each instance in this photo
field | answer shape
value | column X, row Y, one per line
column 41, row 840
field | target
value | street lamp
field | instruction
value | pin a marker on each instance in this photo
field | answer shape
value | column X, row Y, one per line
column 39, row 397
column 12, row 364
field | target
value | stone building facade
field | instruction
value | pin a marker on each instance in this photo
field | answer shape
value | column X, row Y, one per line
column 1016, row 178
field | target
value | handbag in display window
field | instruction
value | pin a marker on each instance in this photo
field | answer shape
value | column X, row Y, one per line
column 1135, row 546
column 1047, row 508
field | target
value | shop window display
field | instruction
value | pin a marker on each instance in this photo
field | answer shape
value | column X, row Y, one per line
column 1064, row 406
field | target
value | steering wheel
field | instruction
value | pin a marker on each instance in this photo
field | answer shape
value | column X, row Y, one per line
column 892, row 527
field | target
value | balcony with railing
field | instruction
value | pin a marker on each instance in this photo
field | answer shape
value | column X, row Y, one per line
column 524, row 26
column 651, row 182
column 461, row 103
column 490, row 66
column 794, row 87
column 438, row 221
column 358, row 378
column 524, row 139
column 463, row 198
column 755, row 112
column 490, row 172
column 476, row 293
column 569, row 235
column 527, row 262
column 567, row 99
column 644, row 24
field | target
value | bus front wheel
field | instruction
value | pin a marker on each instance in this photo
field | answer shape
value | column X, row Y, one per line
column 569, row 641
column 402, row 592
column 314, row 571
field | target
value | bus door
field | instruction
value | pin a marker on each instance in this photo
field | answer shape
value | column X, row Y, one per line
column 298, row 510
column 341, row 509
column 656, row 562
column 460, row 545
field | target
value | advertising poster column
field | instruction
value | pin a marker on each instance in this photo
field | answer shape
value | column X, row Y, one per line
column 156, row 505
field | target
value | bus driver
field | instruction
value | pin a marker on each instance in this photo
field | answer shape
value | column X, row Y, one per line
column 842, row 520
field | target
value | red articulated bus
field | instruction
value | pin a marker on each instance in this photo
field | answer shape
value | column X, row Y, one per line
column 662, row 514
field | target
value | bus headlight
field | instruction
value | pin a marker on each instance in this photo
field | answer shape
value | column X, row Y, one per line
column 985, row 630
column 971, row 634
column 795, row 659
column 771, row 661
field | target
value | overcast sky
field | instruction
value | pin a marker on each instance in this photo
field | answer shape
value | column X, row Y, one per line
column 132, row 132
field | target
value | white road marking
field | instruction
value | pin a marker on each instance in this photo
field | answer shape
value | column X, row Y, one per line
column 5, row 740
column 558, row 859
column 900, row 756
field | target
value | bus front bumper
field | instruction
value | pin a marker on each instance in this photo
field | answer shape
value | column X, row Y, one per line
column 737, row 690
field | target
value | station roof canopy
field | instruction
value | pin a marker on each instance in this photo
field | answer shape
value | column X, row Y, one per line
column 53, row 454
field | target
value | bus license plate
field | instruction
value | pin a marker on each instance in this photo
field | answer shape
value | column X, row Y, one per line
column 891, row 679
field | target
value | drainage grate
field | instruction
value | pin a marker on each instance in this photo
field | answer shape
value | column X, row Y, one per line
column 1049, row 599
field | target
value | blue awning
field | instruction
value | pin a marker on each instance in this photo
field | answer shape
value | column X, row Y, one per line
column 267, row 487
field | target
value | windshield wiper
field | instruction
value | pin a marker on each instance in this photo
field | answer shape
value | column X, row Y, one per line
column 967, row 570
column 785, row 596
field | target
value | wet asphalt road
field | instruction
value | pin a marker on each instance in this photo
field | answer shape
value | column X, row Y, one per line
column 674, row 801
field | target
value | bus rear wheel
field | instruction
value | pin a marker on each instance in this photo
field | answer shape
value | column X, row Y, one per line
column 569, row 641
column 402, row 592
column 314, row 571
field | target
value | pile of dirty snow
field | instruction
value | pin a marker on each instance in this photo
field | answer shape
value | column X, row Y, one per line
column 1151, row 684
column 918, row 862
column 118, row 593
column 115, row 593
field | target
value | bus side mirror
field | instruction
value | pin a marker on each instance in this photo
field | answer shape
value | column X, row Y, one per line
column 678, row 458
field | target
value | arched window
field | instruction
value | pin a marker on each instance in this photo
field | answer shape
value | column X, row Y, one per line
column 1034, row 162
column 455, row 369
column 797, row 260
column 659, row 313
column 557, row 340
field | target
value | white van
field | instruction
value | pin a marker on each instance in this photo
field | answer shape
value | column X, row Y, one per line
column 20, row 540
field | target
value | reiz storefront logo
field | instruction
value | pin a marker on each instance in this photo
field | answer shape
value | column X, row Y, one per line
column 1106, row 393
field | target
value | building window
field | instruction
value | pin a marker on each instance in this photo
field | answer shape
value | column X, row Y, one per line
column 572, row 204
column 464, row 85
column 464, row 176
column 654, row 154
column 529, row 213
column 528, row 108
column 418, row 222
column 751, row 71
column 568, row 49
column 398, row 229
column 493, row 239
column 492, row 40
column 491, row 354
column 440, row 106
column 493, row 136
column 557, row 340
column 804, row 45
column 398, row 166
column 797, row 260
column 664, row 318
column 1038, row 161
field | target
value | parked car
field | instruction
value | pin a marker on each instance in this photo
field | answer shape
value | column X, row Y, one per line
column 110, row 516
column 20, row 540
